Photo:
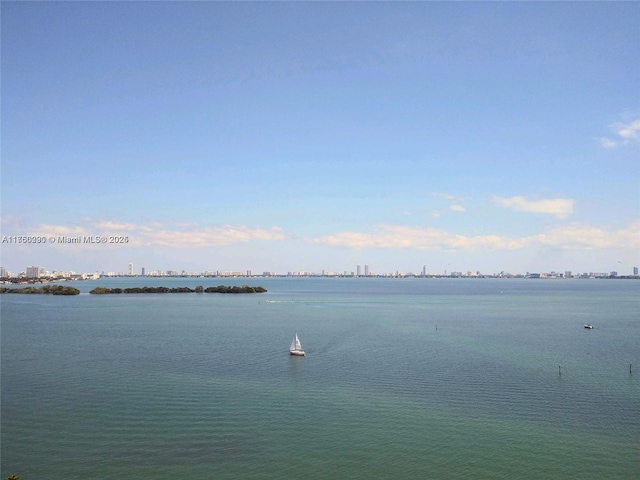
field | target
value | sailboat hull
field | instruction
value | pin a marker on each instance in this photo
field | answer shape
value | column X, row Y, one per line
column 296, row 347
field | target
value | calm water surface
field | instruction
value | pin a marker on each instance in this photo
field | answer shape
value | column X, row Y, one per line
column 406, row 378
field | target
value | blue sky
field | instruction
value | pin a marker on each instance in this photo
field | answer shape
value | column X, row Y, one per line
column 315, row 136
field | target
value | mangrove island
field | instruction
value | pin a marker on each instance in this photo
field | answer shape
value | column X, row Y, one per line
column 46, row 290
column 199, row 289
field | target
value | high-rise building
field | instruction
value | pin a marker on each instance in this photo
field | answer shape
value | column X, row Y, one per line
column 358, row 271
column 366, row 270
column 34, row 272
column 3, row 272
column 130, row 269
column 635, row 271
column 143, row 271
column 424, row 270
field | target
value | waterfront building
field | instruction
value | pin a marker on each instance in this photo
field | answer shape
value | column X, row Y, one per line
column 34, row 272
column 358, row 271
column 130, row 269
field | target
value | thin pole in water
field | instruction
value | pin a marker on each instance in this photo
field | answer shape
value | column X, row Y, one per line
column 559, row 371
column 630, row 368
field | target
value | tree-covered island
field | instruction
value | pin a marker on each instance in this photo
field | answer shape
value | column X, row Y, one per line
column 199, row 289
column 46, row 290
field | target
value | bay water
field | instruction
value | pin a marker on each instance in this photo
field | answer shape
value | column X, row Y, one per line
column 404, row 378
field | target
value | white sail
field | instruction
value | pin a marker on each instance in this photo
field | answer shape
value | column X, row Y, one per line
column 296, row 346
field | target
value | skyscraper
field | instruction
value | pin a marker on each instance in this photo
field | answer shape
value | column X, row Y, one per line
column 130, row 269
column 34, row 272
column 366, row 270
column 358, row 271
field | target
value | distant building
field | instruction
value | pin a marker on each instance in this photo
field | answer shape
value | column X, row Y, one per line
column 424, row 270
column 366, row 270
column 358, row 271
column 143, row 272
column 635, row 271
column 34, row 272
column 3, row 272
column 130, row 269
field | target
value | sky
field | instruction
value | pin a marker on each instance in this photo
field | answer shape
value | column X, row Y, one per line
column 311, row 136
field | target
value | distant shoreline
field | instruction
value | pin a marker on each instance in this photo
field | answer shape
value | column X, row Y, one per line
column 46, row 280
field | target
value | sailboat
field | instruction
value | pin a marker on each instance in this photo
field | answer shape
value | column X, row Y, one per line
column 296, row 346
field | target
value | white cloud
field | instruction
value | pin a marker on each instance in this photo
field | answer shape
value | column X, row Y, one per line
column 455, row 202
column 205, row 237
column 560, row 207
column 571, row 236
column 398, row 236
column 115, row 226
column 628, row 131
column 608, row 143
column 155, row 234
column 61, row 230
column 625, row 133
column 580, row 236
column 447, row 196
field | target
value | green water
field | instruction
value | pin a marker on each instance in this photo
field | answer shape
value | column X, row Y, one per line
column 414, row 378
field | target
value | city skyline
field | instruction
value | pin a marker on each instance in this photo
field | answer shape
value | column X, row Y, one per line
column 38, row 271
column 482, row 136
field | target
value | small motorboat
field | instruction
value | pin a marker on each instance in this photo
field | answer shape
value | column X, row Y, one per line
column 589, row 326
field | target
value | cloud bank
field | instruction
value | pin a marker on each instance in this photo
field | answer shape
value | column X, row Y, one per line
column 572, row 236
column 560, row 207
column 163, row 235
